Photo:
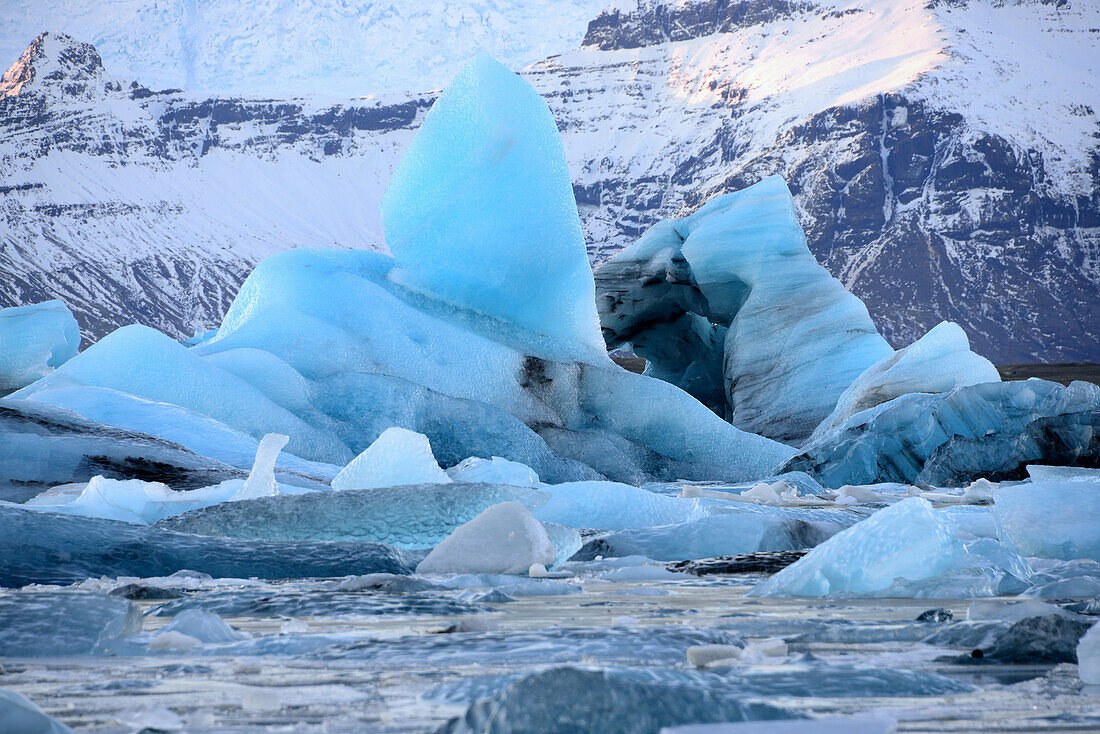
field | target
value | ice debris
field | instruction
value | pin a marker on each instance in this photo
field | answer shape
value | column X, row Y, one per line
column 494, row 471
column 397, row 457
column 1088, row 656
column 904, row 550
column 34, row 341
column 261, row 480
column 1050, row 519
column 207, row 627
column 711, row 292
column 20, row 716
column 504, row 538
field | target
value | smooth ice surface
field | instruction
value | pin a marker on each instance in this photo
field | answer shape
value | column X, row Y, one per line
column 494, row 471
column 952, row 438
column 480, row 212
column 414, row 517
column 612, row 506
column 43, row 624
column 1088, row 656
column 35, row 340
column 204, row 626
column 939, row 361
column 47, row 548
column 1040, row 473
column 1050, row 519
column 906, row 549
column 504, row 538
column 261, row 480
column 397, row 457
column 793, row 339
column 19, row 716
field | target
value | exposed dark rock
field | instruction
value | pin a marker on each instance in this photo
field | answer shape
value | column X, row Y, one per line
column 762, row 562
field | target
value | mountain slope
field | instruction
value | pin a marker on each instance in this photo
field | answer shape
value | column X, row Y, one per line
column 944, row 158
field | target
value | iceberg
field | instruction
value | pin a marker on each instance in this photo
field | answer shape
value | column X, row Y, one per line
column 412, row 517
column 480, row 212
column 261, row 480
column 504, row 538
column 1088, row 656
column 19, row 716
column 204, row 626
column 1050, row 519
column 48, row 548
column 612, row 506
column 939, row 361
column 912, row 438
column 494, row 471
column 905, row 550
column 734, row 287
column 397, row 457
column 37, row 623
column 34, row 341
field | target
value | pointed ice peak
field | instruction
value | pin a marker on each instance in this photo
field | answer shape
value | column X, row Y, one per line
column 59, row 63
column 261, row 480
column 480, row 213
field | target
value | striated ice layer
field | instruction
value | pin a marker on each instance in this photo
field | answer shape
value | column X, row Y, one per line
column 413, row 517
column 955, row 437
column 34, row 341
column 905, row 550
column 734, row 286
column 47, row 548
column 569, row 699
column 397, row 457
column 480, row 212
column 1050, row 519
column 939, row 361
column 744, row 529
column 504, row 538
column 51, row 623
column 612, row 506
column 494, row 471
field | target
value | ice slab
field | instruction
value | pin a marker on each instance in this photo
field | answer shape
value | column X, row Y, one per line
column 53, row 623
column 47, row 548
column 568, row 699
column 906, row 549
column 739, row 270
column 1088, row 656
column 34, row 341
column 416, row 516
column 613, row 506
column 480, row 212
column 19, row 716
column 398, row 457
column 204, row 626
column 1050, row 519
column 494, row 471
column 505, row 538
column 952, row 438
column 939, row 361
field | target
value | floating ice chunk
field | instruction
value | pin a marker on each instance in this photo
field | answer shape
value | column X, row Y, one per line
column 1039, row 473
column 205, row 626
column 34, row 341
column 66, row 622
column 765, row 494
column 20, row 716
column 1050, row 519
column 701, row 656
column 613, row 506
column 505, row 538
column 494, row 471
column 854, row 494
column 979, row 491
column 112, row 499
column 905, row 549
column 1088, row 656
column 480, row 212
column 566, row 540
column 414, row 517
column 171, row 640
column 939, row 361
column 869, row 724
column 397, row 457
column 261, row 480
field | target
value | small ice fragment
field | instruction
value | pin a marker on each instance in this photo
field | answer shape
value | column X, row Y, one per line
column 702, row 655
column 397, row 457
column 537, row 571
column 172, row 640
column 775, row 647
column 204, row 626
column 294, row 627
column 765, row 494
column 261, row 480
column 1088, row 656
column 854, row 494
column 504, row 538
column 979, row 491
column 154, row 718
column 493, row 471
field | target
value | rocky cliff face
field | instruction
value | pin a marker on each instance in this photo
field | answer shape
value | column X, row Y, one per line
column 944, row 159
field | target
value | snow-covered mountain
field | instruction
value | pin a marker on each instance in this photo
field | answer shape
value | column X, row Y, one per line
column 944, row 156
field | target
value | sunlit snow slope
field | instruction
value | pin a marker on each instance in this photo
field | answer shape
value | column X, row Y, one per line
column 944, row 157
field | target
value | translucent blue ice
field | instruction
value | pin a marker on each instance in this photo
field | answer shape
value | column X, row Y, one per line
column 493, row 471
column 18, row 715
column 480, row 212
column 397, row 457
column 37, row 623
column 35, row 340
column 613, row 506
column 906, row 549
column 1050, row 519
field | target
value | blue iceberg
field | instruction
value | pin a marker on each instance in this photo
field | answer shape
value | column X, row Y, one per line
column 34, row 341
